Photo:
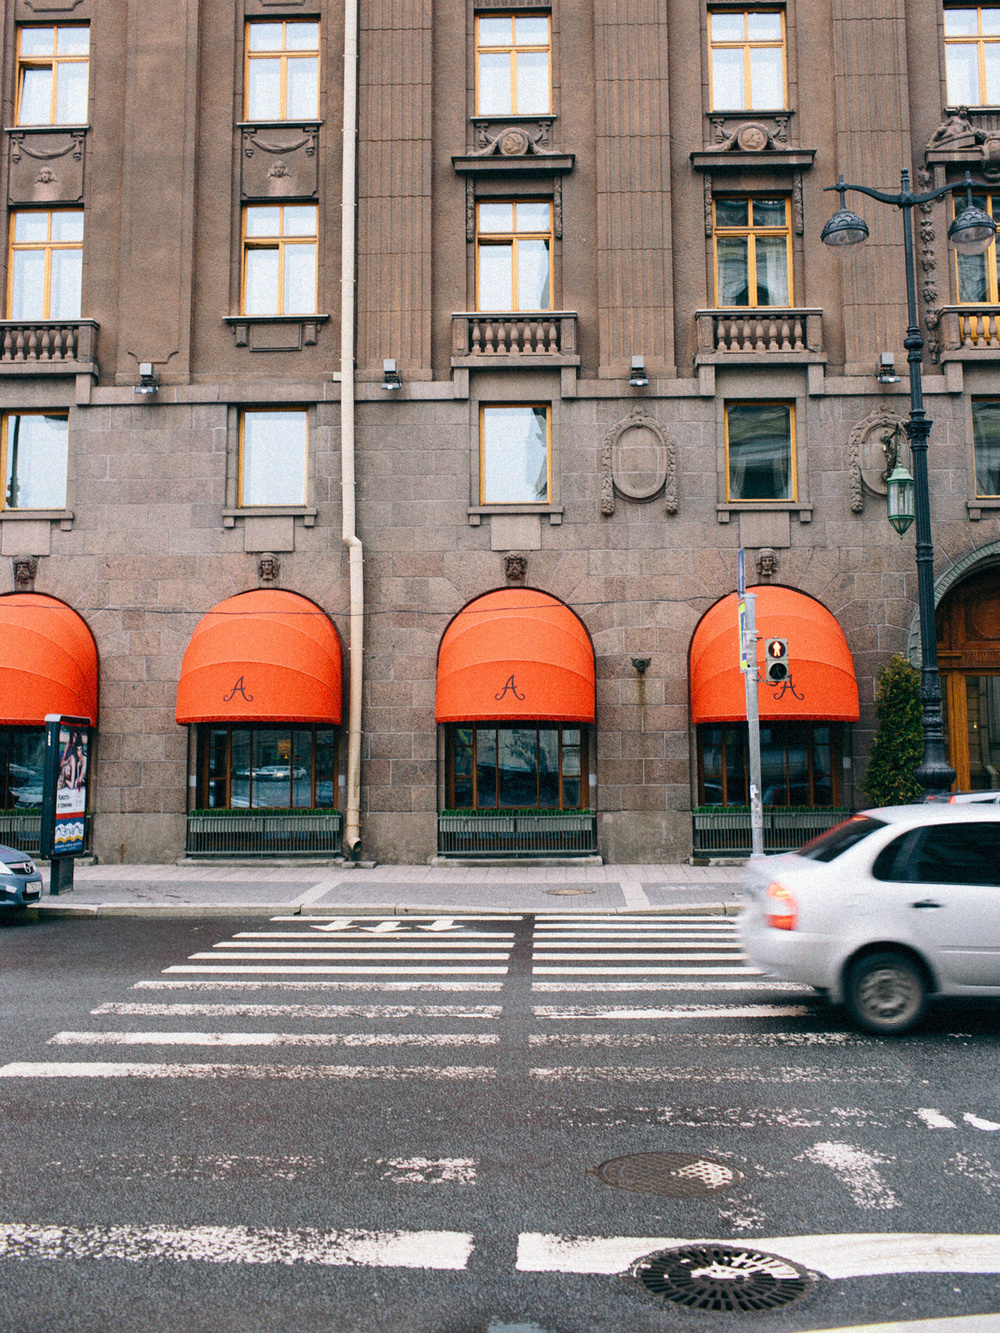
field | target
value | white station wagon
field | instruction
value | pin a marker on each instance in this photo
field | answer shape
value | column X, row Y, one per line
column 882, row 910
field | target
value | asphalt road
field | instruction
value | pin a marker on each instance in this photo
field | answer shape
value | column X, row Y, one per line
column 337, row 1125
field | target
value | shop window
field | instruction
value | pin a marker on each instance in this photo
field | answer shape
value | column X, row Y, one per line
column 747, row 59
column 279, row 259
column 977, row 274
column 274, row 456
column 52, row 75
column 266, row 767
column 986, row 440
column 34, row 448
column 530, row 766
column 800, row 764
column 513, row 65
column 753, row 240
column 514, row 256
column 282, row 70
column 760, row 451
column 46, row 264
column 515, row 454
column 22, row 765
column 972, row 55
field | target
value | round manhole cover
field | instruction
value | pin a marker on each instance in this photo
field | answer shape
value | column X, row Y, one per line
column 681, row 1175
column 722, row 1278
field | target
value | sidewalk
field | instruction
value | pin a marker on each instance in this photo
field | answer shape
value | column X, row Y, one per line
column 215, row 889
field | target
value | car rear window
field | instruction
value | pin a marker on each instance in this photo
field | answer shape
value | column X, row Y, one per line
column 829, row 845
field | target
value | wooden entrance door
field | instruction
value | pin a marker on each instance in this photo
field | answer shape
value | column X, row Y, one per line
column 968, row 627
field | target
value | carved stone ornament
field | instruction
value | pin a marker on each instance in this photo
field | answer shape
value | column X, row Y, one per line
column 750, row 137
column 767, row 563
column 515, row 141
column 955, row 131
column 638, row 462
column 46, row 167
column 867, row 451
column 515, row 568
column 268, row 567
column 279, row 161
column 25, row 569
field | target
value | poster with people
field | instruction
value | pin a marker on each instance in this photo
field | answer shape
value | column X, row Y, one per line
column 65, row 795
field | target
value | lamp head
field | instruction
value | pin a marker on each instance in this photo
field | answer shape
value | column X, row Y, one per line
column 973, row 230
column 845, row 227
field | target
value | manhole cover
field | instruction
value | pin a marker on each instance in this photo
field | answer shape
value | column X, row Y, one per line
column 679, row 1174
column 722, row 1278
column 568, row 893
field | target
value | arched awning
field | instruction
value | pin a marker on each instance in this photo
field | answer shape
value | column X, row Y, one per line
column 823, row 686
column 517, row 655
column 48, row 661
column 265, row 656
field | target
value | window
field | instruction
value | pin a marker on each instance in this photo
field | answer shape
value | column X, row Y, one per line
column 986, row 441
column 34, row 449
column 46, row 264
column 22, row 765
column 514, row 256
column 279, row 259
column 753, row 240
column 529, row 766
column 512, row 65
column 52, row 73
column 972, row 56
column 760, row 451
column 274, row 452
column 977, row 274
column 282, row 71
column 266, row 767
column 966, row 853
column 515, row 454
column 799, row 761
column 747, row 57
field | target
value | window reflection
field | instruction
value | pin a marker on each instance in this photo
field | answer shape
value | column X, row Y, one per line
column 532, row 766
column 267, row 768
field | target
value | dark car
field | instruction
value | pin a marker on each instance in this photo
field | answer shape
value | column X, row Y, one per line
column 20, row 882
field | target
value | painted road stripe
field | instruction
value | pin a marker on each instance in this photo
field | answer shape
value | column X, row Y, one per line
column 701, row 1074
column 643, row 971
column 409, row 919
column 590, row 1011
column 271, row 1039
column 240, row 1245
column 862, row 1255
column 106, row 1069
column 614, row 987
column 553, row 939
column 718, row 956
column 701, row 1040
column 934, row 1119
column 503, row 936
column 378, row 1011
column 332, row 970
column 385, row 987
column 350, row 956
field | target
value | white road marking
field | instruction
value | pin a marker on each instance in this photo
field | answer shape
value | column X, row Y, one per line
column 934, row 1119
column 313, row 895
column 384, row 927
column 349, row 954
column 634, row 894
column 295, row 1073
column 337, row 923
column 385, row 987
column 644, row 971
column 566, row 956
column 333, row 970
column 607, row 919
column 240, row 1245
column 977, row 1123
column 428, row 1170
column 702, row 1040
column 623, row 932
column 439, row 923
column 837, row 1256
column 612, row 1012
column 409, row 919
column 613, row 987
column 858, row 1170
column 703, row 1074
column 466, row 938
column 373, row 1011
column 360, row 1039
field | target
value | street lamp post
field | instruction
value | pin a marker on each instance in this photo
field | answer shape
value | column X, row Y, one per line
column 972, row 232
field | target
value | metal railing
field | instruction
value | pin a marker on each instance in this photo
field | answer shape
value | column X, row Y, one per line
column 227, row 833
column 49, row 344
column 23, row 829
column 517, row 835
column 759, row 332
column 504, row 334
column 727, row 832
column 967, row 328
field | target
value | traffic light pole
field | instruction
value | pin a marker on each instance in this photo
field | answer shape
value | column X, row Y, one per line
column 753, row 725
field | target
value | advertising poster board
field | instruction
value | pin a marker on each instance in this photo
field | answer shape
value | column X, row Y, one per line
column 64, row 792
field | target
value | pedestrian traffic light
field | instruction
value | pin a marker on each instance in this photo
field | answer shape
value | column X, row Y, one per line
column 776, row 660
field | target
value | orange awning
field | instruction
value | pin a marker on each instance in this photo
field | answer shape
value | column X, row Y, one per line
column 517, row 655
column 265, row 656
column 822, row 671
column 48, row 661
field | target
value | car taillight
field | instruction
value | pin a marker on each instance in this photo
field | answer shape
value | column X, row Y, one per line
column 781, row 910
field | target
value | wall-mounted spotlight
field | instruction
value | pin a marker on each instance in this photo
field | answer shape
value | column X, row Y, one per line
column 390, row 375
column 149, row 381
column 887, row 369
column 641, row 664
column 638, row 378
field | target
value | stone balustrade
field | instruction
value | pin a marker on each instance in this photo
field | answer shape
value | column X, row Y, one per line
column 759, row 332
column 485, row 334
column 48, row 346
column 970, row 328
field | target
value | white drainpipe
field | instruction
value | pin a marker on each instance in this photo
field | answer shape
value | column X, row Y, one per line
column 349, row 185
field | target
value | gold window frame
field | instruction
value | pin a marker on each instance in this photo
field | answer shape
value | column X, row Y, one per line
column 4, row 426
column 278, row 242
column 283, row 56
column 290, row 409
column 513, row 48
column 498, row 238
column 980, row 41
column 48, row 246
column 746, row 46
column 48, row 62
column 483, row 408
column 750, row 231
column 793, row 487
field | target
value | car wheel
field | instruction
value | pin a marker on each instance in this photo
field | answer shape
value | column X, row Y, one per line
column 886, row 993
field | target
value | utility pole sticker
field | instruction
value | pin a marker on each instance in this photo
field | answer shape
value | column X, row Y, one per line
column 238, row 688
column 511, row 688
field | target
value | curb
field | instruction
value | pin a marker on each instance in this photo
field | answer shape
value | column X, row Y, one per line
column 368, row 909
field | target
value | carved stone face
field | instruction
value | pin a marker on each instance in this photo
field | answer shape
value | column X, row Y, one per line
column 515, row 568
column 767, row 563
column 269, row 567
column 25, row 567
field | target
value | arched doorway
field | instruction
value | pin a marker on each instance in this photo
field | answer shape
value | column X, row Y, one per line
column 968, row 635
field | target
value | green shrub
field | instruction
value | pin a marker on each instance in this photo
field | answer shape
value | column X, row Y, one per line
column 898, row 746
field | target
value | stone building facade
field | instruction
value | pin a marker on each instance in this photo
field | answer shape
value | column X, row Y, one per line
column 587, row 243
